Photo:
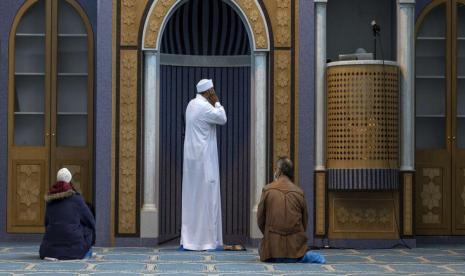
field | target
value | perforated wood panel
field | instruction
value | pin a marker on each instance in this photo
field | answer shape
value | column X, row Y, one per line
column 362, row 119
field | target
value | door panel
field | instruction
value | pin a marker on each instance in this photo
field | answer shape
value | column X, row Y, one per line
column 459, row 199
column 28, row 117
column 26, row 210
column 458, row 111
column 177, row 88
column 71, row 112
column 432, row 199
column 432, row 130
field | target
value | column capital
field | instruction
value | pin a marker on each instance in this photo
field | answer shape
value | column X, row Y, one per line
column 406, row 2
column 150, row 52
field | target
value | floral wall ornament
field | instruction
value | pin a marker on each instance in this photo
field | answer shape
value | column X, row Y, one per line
column 352, row 215
column 431, row 195
column 282, row 104
column 28, row 188
column 342, row 215
column 430, row 218
column 28, row 192
column 129, row 3
column 28, row 215
column 128, row 142
column 283, row 3
column 281, row 20
column 282, row 96
column 131, row 15
column 130, row 18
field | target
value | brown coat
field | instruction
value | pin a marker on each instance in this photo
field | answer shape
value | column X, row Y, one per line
column 282, row 218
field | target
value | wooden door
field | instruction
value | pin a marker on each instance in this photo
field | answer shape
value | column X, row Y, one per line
column 50, row 106
column 433, row 121
column 440, row 119
column 71, row 103
column 177, row 88
column 28, row 117
column 458, row 116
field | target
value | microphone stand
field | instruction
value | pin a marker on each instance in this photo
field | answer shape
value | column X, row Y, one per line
column 376, row 30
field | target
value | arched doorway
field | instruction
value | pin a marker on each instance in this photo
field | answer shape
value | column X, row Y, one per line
column 206, row 39
column 256, row 28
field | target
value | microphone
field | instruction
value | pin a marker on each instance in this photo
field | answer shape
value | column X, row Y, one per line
column 376, row 30
column 375, row 27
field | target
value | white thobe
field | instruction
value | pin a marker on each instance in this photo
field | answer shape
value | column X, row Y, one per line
column 201, row 202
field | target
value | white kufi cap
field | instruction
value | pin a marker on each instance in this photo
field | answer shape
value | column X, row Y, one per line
column 64, row 175
column 204, row 85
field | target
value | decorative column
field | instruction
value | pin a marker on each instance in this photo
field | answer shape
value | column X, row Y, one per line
column 258, row 128
column 149, row 213
column 320, row 118
column 406, row 62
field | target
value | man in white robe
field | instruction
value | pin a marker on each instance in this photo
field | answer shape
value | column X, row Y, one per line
column 201, row 202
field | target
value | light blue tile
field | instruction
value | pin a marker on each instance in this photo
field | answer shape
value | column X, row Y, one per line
column 392, row 259
column 374, row 252
column 349, row 268
column 126, row 257
column 247, row 274
column 427, row 251
column 299, row 268
column 12, row 266
column 29, row 249
column 20, row 257
column 457, row 267
column 121, row 267
column 174, row 249
column 346, row 259
column 315, row 273
column 60, row 265
column 236, row 258
column 180, row 267
column 133, row 250
column 446, row 258
column 415, row 268
column 116, row 274
column 181, row 274
column 52, row 273
column 240, row 267
column 181, row 257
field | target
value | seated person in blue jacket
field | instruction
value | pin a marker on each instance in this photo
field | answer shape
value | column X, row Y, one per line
column 69, row 223
column 282, row 218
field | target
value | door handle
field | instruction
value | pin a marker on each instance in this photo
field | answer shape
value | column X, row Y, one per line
column 53, row 134
column 453, row 137
column 46, row 134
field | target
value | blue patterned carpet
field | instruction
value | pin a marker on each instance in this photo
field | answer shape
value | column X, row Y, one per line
column 23, row 260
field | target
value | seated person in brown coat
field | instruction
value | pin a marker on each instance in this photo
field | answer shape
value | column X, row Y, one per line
column 282, row 217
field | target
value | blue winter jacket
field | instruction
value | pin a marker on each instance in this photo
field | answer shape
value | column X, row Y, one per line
column 69, row 227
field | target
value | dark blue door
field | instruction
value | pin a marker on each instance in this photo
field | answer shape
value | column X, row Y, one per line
column 177, row 88
column 206, row 39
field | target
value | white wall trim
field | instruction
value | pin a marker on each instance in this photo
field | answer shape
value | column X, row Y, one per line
column 320, row 85
column 150, row 208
